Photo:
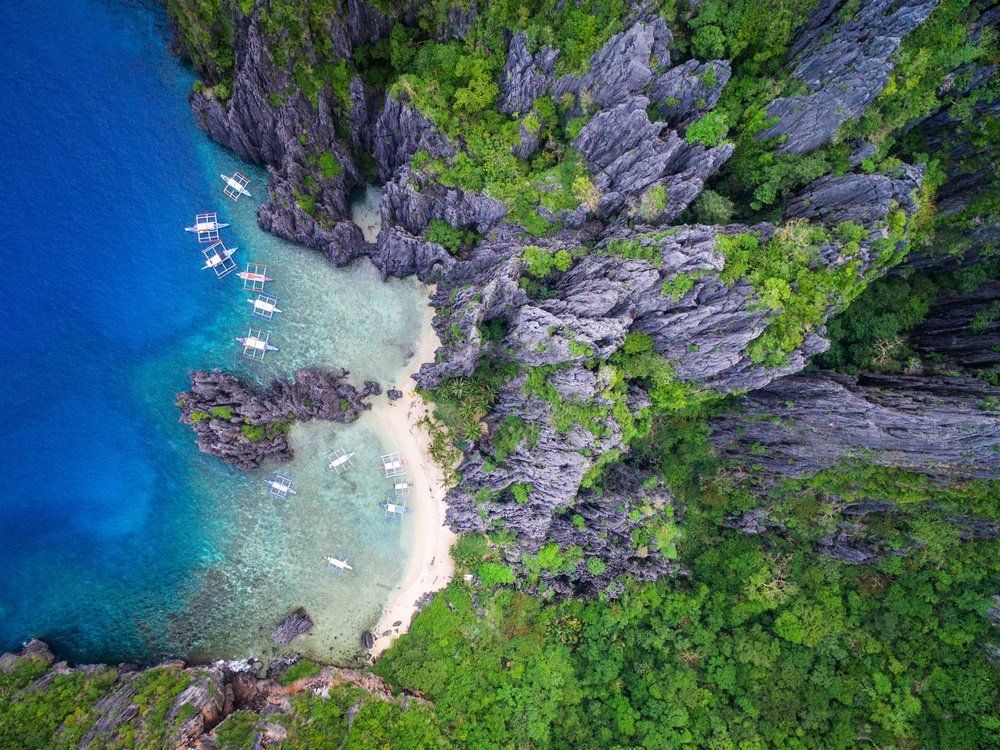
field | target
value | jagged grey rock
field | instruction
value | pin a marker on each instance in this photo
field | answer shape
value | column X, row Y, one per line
column 844, row 65
column 957, row 329
column 219, row 406
column 799, row 425
column 525, row 76
column 686, row 92
column 400, row 132
column 628, row 154
column 296, row 625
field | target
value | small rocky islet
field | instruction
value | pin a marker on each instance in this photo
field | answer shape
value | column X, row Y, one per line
column 647, row 286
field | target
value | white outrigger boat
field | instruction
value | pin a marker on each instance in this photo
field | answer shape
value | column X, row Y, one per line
column 235, row 186
column 218, row 257
column 265, row 305
column 207, row 225
column 394, row 510
column 280, row 485
column 339, row 460
column 255, row 344
column 337, row 564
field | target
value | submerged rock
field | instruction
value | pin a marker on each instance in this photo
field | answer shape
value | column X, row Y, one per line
column 297, row 624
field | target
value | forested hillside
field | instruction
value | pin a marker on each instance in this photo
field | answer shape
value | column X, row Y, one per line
column 717, row 291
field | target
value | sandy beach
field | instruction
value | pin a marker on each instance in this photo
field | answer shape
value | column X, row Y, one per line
column 430, row 566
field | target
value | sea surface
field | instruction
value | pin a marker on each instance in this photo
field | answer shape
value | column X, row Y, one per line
column 118, row 539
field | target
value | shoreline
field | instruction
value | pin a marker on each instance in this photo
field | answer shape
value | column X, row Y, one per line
column 430, row 567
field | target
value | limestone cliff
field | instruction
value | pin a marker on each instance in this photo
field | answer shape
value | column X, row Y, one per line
column 608, row 253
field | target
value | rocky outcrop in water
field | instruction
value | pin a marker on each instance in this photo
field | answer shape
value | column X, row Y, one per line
column 244, row 425
column 800, row 425
column 297, row 624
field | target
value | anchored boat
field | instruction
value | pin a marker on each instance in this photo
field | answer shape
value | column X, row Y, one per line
column 337, row 564
column 265, row 305
column 235, row 186
column 255, row 344
column 218, row 257
column 207, row 227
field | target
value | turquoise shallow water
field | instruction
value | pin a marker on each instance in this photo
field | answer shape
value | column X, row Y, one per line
column 118, row 539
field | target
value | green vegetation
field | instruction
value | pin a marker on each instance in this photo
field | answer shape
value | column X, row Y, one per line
column 787, row 275
column 455, row 241
column 461, row 404
column 237, row 732
column 299, row 670
column 253, row 432
column 871, row 333
column 540, row 262
column 453, row 83
column 206, row 33
column 709, row 131
column 887, row 650
column 328, row 165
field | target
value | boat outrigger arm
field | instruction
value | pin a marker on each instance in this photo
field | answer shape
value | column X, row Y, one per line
column 206, row 226
column 236, row 186
column 218, row 257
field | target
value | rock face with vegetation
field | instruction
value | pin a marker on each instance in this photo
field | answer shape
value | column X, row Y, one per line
column 843, row 57
column 801, row 425
column 244, row 425
column 224, row 705
column 550, row 177
column 716, row 290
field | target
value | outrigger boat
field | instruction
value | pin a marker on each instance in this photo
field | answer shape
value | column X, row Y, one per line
column 265, row 305
column 217, row 255
column 338, row 564
column 235, row 186
column 253, row 276
column 396, row 510
column 254, row 342
column 219, row 258
column 280, row 485
column 206, row 223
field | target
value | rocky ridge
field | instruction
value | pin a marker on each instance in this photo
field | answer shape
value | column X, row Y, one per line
column 800, row 425
column 195, row 706
column 843, row 63
column 244, row 425
column 630, row 270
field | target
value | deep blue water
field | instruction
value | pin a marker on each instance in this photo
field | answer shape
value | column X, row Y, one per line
column 92, row 126
column 110, row 520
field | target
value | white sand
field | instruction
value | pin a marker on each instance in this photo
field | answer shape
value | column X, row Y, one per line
column 430, row 566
